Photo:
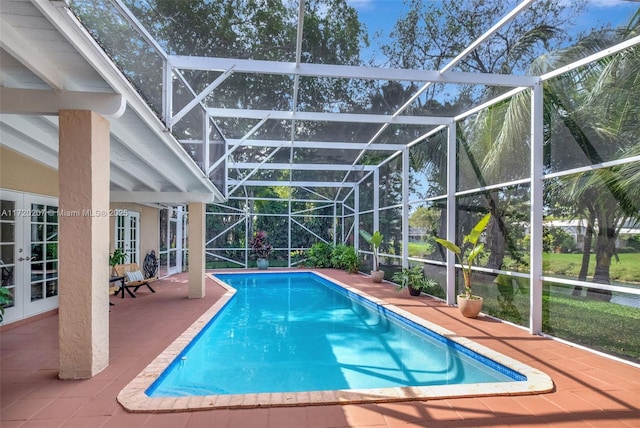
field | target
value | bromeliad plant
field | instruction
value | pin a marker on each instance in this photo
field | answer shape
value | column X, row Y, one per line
column 468, row 254
column 260, row 245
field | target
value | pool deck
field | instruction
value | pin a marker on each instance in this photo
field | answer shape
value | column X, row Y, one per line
column 590, row 390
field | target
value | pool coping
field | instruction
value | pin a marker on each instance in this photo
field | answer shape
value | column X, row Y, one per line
column 133, row 398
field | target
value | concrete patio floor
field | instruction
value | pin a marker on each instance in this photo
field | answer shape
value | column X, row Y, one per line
column 591, row 391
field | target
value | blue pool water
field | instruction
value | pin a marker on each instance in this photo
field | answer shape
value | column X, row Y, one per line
column 289, row 332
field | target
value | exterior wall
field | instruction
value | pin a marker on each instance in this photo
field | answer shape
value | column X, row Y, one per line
column 20, row 173
column 149, row 226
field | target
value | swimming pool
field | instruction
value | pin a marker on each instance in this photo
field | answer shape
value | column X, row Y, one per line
column 290, row 332
column 326, row 342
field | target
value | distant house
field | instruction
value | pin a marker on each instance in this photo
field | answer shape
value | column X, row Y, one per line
column 578, row 227
column 417, row 234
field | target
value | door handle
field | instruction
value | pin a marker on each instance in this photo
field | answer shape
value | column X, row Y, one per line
column 26, row 259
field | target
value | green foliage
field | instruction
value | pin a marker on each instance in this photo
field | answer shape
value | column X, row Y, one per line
column 471, row 249
column 633, row 242
column 344, row 257
column 375, row 241
column 414, row 278
column 117, row 257
column 320, row 255
column 5, row 299
column 325, row 255
column 421, row 249
column 556, row 239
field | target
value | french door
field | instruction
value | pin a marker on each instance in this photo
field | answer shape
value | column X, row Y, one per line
column 172, row 241
column 127, row 229
column 28, row 253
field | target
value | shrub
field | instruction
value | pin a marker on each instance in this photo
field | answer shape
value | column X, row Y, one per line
column 344, row 257
column 320, row 255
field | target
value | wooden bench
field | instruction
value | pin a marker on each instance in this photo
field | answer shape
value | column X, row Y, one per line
column 130, row 271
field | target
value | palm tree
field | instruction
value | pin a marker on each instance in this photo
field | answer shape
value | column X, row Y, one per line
column 593, row 109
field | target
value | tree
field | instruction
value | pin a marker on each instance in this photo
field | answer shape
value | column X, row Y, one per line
column 590, row 117
column 430, row 35
column 247, row 29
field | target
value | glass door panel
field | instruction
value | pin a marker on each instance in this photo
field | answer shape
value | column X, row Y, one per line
column 42, row 262
column 28, row 253
column 133, row 237
column 8, row 251
column 127, row 235
column 172, row 231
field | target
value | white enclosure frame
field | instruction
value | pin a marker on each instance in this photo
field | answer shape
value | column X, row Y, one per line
column 233, row 188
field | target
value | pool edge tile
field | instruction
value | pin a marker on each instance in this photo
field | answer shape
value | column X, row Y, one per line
column 134, row 398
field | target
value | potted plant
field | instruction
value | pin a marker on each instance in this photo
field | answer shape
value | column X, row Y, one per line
column 261, row 249
column 6, row 299
column 413, row 279
column 469, row 304
column 375, row 241
column 117, row 258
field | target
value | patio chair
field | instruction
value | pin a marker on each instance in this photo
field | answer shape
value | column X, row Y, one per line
column 133, row 278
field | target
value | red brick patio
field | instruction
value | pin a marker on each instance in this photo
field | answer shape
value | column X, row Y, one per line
column 591, row 391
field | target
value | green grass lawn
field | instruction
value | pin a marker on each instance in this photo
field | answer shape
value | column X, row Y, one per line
column 608, row 327
column 626, row 270
column 419, row 249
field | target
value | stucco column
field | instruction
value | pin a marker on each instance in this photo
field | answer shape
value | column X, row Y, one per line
column 83, row 172
column 196, row 231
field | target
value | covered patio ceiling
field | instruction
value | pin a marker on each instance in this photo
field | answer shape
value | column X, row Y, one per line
column 49, row 63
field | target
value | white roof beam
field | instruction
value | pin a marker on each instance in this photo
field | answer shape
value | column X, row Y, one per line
column 261, row 183
column 126, row 139
column 237, row 146
column 255, row 170
column 37, row 101
column 13, row 42
column 198, row 99
column 23, row 124
column 303, row 167
column 126, row 13
column 140, row 174
column 345, row 71
column 161, row 197
column 317, row 144
column 490, row 32
column 120, row 177
column 29, row 147
column 328, row 117
column 584, row 61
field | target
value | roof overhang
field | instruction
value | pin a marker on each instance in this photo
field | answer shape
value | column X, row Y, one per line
column 49, row 62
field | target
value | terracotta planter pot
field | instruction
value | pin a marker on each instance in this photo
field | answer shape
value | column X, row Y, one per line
column 413, row 291
column 469, row 308
column 377, row 275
